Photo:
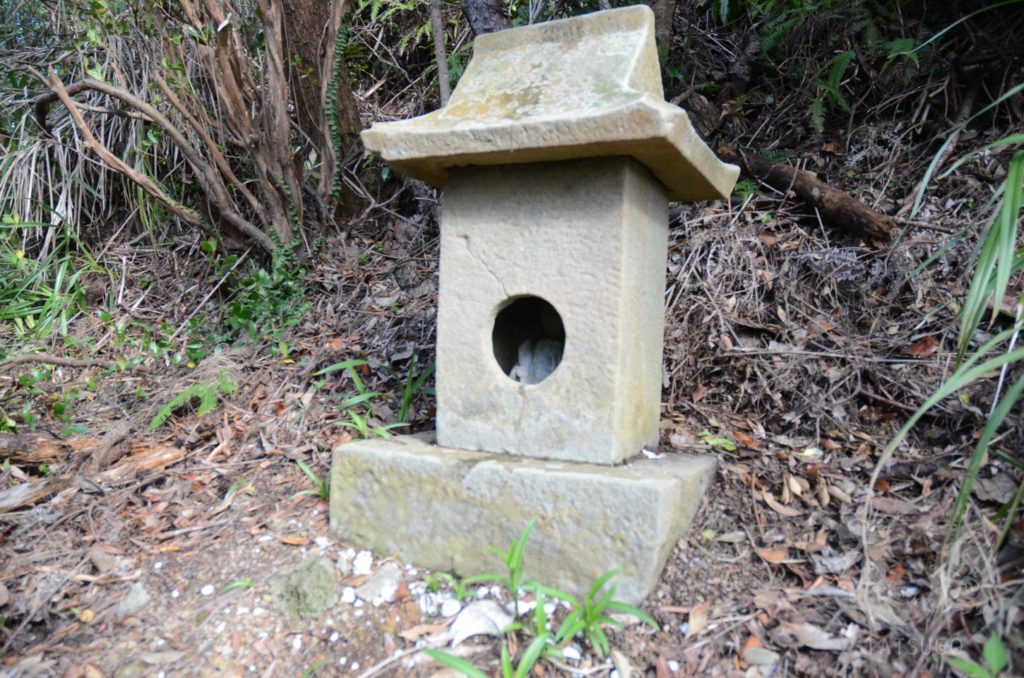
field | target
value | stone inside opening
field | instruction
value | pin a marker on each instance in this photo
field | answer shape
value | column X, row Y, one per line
column 528, row 339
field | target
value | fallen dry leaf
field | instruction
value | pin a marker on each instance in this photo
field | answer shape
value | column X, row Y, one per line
column 794, row 485
column 482, row 617
column 698, row 619
column 923, row 348
column 622, row 664
column 774, row 556
column 807, row 635
column 745, row 440
column 760, row 656
column 836, row 564
column 839, row 495
column 774, row 505
column 893, row 506
column 295, row 540
column 896, row 573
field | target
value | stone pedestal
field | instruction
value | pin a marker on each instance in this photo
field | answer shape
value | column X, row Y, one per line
column 557, row 155
column 443, row 508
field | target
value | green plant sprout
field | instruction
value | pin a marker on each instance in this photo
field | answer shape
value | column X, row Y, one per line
column 513, row 559
column 717, row 441
column 587, row 619
column 207, row 394
column 413, row 387
column 994, row 656
column 359, row 421
column 459, row 585
column 321, row 486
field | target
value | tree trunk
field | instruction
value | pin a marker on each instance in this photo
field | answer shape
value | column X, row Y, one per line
column 440, row 54
column 305, row 24
column 486, row 16
column 339, row 113
column 664, row 12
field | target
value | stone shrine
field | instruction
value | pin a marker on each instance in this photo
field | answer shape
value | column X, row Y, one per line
column 557, row 156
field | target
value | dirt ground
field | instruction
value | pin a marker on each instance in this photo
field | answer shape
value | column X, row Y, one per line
column 773, row 578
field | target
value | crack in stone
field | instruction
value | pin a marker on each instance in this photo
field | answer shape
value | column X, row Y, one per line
column 465, row 238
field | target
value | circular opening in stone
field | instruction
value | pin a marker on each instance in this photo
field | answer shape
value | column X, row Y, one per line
column 528, row 339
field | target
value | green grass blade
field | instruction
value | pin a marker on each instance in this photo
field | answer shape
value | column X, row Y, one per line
column 359, row 399
column 1010, row 140
column 516, row 552
column 310, row 473
column 999, row 415
column 457, row 663
column 343, row 365
column 966, row 374
column 532, row 654
column 601, row 581
column 636, row 612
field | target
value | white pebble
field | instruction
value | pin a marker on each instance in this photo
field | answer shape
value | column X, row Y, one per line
column 258, row 611
column 362, row 563
column 322, row 542
column 355, row 666
column 614, row 674
column 342, row 661
column 673, row 665
column 358, row 603
column 157, row 565
column 175, row 593
column 450, row 607
column 572, row 652
column 348, row 595
column 242, row 610
column 220, row 627
column 264, row 538
column 357, row 613
column 334, row 637
column 207, row 590
column 297, row 642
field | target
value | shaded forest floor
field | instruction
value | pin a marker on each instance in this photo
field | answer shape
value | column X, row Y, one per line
column 807, row 386
column 140, row 537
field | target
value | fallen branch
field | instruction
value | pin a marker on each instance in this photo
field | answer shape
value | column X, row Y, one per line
column 48, row 359
column 838, row 208
column 30, row 492
column 208, row 178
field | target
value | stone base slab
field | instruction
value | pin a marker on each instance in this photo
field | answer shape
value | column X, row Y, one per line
column 443, row 508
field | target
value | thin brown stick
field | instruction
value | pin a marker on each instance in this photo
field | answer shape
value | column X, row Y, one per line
column 93, row 144
column 211, row 148
column 49, row 359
